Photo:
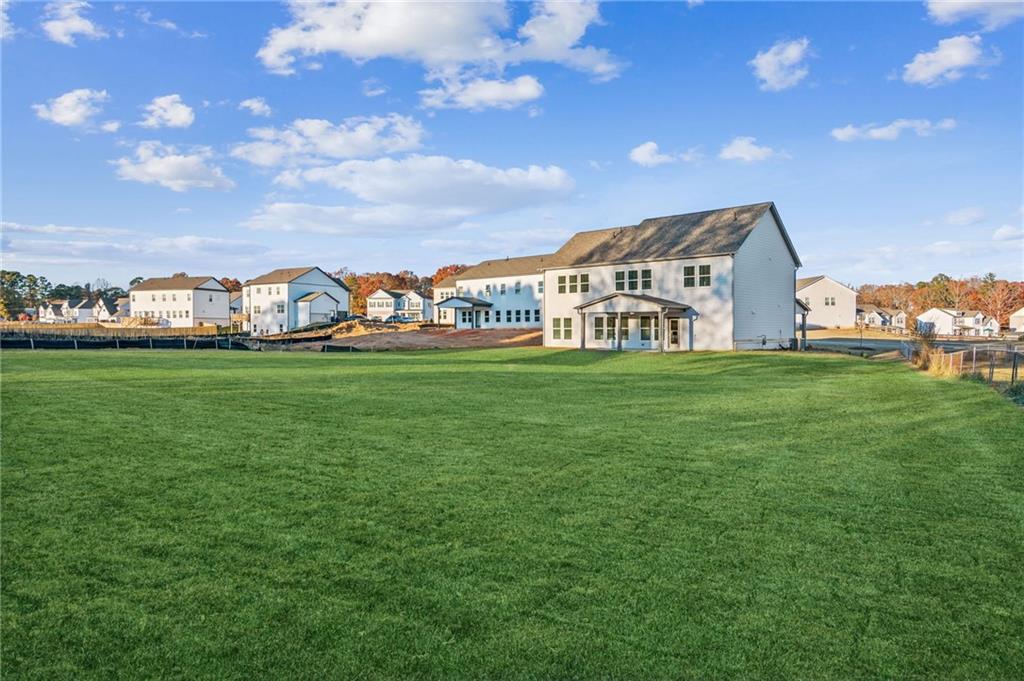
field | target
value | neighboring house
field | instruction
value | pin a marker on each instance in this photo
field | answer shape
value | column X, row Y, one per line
column 497, row 294
column 1017, row 321
column 235, row 302
column 124, row 308
column 443, row 290
column 104, row 310
column 280, row 301
column 417, row 306
column 51, row 311
column 714, row 280
column 384, row 303
column 944, row 321
column 181, row 301
column 76, row 311
column 833, row 305
column 875, row 316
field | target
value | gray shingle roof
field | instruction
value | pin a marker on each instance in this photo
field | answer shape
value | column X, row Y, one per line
column 804, row 282
column 171, row 283
column 313, row 296
column 706, row 233
column 507, row 267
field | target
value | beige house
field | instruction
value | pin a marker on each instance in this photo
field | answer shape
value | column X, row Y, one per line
column 833, row 305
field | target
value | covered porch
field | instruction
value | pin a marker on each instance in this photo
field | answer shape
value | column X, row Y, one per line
column 469, row 312
column 631, row 321
column 802, row 309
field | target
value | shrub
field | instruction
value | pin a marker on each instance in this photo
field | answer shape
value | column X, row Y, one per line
column 1016, row 393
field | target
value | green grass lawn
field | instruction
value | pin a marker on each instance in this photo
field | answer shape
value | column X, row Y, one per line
column 506, row 514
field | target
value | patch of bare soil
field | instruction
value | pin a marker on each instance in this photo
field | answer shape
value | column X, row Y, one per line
column 434, row 337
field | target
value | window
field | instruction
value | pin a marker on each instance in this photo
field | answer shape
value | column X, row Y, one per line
column 458, row 292
column 540, row 286
column 705, row 275
column 163, row 297
column 465, row 316
column 598, row 328
column 567, row 328
column 573, row 283
column 556, row 328
column 519, row 287
column 487, row 315
column 508, row 316
column 519, row 316
column 624, row 331
column 620, row 280
column 487, row 290
column 154, row 297
column 256, row 309
column 280, row 308
column 536, row 315
column 257, row 289
column 280, row 328
column 611, row 327
column 561, row 283
column 689, row 276
column 188, row 296
column 634, row 279
column 174, row 297
column 645, row 279
column 501, row 289
column 133, row 297
column 211, row 297
column 497, row 316
column 645, row 328
column 278, row 290
column 657, row 330
column 186, row 314
column 584, row 283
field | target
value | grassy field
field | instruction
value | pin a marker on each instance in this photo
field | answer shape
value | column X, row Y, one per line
column 506, row 514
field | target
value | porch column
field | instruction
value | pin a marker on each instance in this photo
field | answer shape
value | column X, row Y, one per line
column 583, row 330
column 661, row 330
column 691, row 319
column 618, row 331
column 803, row 331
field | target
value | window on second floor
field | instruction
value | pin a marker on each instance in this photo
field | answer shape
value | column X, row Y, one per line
column 280, row 308
column 540, row 286
column 501, row 289
column 487, row 290
column 518, row 287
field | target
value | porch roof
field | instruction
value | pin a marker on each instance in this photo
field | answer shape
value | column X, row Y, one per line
column 641, row 300
column 462, row 302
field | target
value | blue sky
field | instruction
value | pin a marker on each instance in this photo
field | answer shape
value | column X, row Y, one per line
column 389, row 137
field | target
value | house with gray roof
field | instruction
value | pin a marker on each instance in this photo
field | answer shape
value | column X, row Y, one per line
column 181, row 301
column 721, row 279
column 833, row 304
column 496, row 294
column 282, row 300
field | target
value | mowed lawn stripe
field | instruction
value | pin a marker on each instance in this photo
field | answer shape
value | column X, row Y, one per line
column 519, row 513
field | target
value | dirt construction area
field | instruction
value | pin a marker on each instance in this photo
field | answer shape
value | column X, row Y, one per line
column 371, row 335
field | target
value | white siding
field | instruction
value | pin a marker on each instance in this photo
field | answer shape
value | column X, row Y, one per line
column 185, row 307
column 513, row 310
column 444, row 316
column 278, row 310
column 764, row 288
column 712, row 330
column 841, row 315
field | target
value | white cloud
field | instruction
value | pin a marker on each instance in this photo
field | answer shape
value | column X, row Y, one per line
column 482, row 93
column 782, row 66
column 61, row 229
column 257, row 106
column 146, row 17
column 310, row 140
column 137, row 248
column 965, row 216
column 1008, row 233
column 168, row 111
column 948, row 61
column 648, row 155
column 161, row 164
column 110, row 126
column 922, row 127
column 458, row 43
column 64, row 21
column 7, row 29
column 694, row 3
column 372, row 87
column 991, row 14
column 746, row 150
column 74, row 108
column 416, row 192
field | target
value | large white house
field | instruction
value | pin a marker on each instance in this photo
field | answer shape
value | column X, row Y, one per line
column 181, row 301
column 1017, row 321
column 833, row 305
column 290, row 298
column 496, row 294
column 944, row 321
column 714, row 280
column 444, row 290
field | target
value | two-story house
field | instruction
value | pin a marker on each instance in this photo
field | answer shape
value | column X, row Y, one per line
column 943, row 321
column 384, row 303
column 833, row 305
column 290, row 298
column 872, row 315
column 496, row 294
column 714, row 280
column 443, row 290
column 181, row 301
column 417, row 307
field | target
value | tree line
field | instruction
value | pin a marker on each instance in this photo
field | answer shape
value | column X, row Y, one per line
column 997, row 298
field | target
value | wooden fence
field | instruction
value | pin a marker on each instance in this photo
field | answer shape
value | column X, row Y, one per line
column 35, row 330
